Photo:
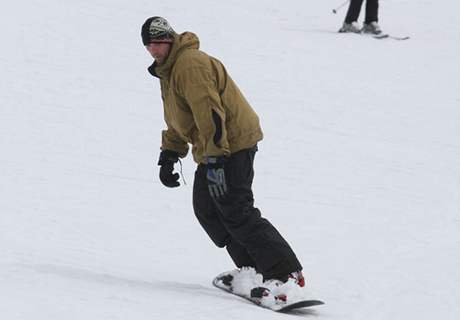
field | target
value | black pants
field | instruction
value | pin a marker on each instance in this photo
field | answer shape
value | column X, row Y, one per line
column 372, row 11
column 234, row 223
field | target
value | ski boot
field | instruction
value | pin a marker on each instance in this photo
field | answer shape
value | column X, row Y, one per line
column 350, row 27
column 372, row 28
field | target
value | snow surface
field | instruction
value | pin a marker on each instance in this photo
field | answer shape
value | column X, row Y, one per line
column 359, row 168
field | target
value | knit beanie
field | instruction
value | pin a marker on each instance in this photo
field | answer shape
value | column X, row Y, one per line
column 157, row 29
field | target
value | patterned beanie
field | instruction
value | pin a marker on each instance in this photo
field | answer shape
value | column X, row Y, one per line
column 157, row 29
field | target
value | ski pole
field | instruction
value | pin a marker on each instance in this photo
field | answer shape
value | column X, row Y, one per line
column 339, row 7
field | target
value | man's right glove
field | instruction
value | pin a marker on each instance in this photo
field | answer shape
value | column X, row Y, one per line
column 167, row 160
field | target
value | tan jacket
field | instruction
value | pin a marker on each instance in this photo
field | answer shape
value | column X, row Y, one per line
column 202, row 104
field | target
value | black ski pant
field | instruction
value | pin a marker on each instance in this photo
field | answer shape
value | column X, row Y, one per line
column 233, row 222
column 372, row 11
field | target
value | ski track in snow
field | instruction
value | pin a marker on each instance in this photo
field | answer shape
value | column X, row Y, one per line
column 359, row 168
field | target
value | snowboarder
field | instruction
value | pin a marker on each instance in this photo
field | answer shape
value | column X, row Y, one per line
column 204, row 107
column 371, row 19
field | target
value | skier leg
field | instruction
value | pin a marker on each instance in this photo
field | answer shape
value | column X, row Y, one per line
column 353, row 11
column 372, row 11
column 272, row 254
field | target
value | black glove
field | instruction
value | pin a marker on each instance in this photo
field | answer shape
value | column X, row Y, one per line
column 215, row 174
column 167, row 160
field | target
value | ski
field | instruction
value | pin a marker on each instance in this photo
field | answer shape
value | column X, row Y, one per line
column 381, row 36
column 388, row 36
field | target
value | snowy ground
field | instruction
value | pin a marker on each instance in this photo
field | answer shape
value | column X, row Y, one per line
column 359, row 169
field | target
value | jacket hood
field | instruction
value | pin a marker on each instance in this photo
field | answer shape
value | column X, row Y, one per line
column 183, row 41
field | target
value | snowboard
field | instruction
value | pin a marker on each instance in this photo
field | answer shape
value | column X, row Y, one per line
column 268, row 301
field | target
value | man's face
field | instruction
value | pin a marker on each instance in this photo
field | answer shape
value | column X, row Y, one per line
column 159, row 51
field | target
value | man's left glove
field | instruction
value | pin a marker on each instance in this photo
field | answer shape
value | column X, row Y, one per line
column 215, row 174
column 167, row 160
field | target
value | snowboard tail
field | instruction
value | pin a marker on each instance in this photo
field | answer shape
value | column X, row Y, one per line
column 300, row 304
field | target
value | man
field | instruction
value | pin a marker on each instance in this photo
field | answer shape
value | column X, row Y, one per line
column 204, row 107
column 371, row 19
